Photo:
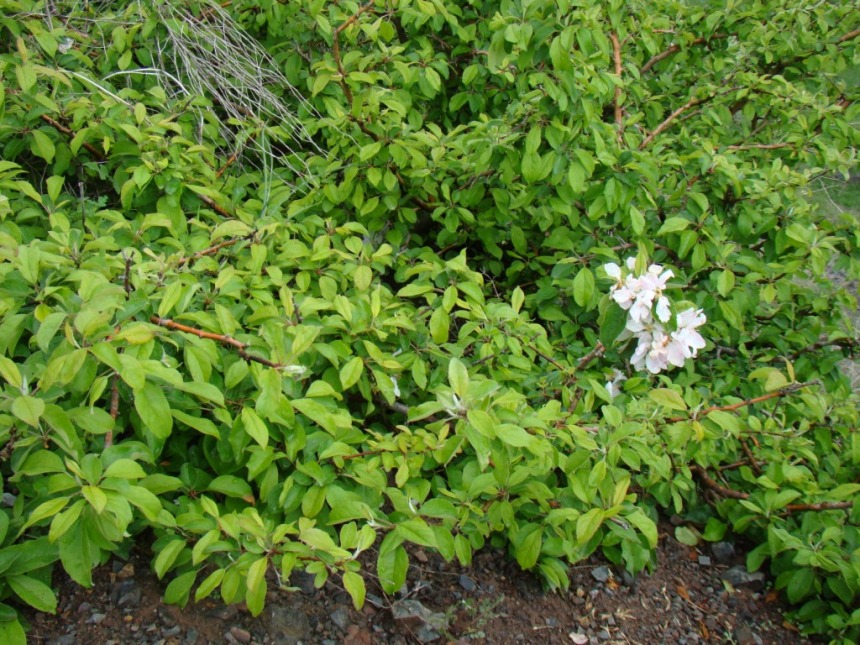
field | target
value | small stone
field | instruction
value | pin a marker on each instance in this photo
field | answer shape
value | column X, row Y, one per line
column 704, row 561
column 610, row 620
column 304, row 581
column 426, row 634
column 744, row 636
column 604, row 635
column 578, row 638
column 191, row 637
column 467, row 583
column 229, row 638
column 739, row 577
column 551, row 621
column 357, row 635
column 241, row 635
column 65, row 639
column 8, row 500
column 601, row 574
column 287, row 627
column 84, row 606
column 96, row 618
column 130, row 599
column 170, row 632
column 126, row 572
column 723, row 552
column 340, row 617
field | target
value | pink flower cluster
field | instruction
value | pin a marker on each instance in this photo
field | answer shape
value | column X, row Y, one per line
column 649, row 311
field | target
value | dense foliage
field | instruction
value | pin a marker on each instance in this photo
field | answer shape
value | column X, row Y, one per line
column 275, row 344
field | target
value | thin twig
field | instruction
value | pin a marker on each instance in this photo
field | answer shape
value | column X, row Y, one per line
column 126, row 275
column 759, row 146
column 850, row 343
column 731, row 493
column 211, row 203
column 68, row 132
column 212, row 250
column 668, row 121
column 619, row 120
column 752, row 461
column 114, row 407
column 674, row 49
column 224, row 339
column 597, row 352
column 788, row 389
column 335, row 48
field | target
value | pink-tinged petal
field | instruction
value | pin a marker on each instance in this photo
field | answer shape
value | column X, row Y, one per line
column 676, row 354
column 612, row 270
column 664, row 313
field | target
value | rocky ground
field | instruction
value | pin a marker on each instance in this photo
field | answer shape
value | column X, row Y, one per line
column 694, row 596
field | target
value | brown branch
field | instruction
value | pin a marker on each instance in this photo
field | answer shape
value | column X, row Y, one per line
column 752, row 461
column 790, row 508
column 850, row 343
column 597, row 352
column 788, row 389
column 820, row 506
column 619, row 121
column 335, row 48
column 61, row 128
column 759, row 146
column 849, row 36
column 114, row 407
column 211, row 203
column 668, row 121
column 126, row 276
column 212, row 250
column 715, row 486
column 224, row 339
column 674, row 49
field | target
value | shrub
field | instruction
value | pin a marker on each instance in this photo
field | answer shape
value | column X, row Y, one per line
column 278, row 344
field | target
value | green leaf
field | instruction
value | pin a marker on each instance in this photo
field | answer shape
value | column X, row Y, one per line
column 514, row 435
column 668, row 398
column 440, row 323
column 458, row 377
column 9, row 371
column 154, row 410
column 351, row 372
column 46, row 509
column 673, row 225
column 417, row 531
column 29, row 409
column 12, row 633
column 209, row 584
column 588, row 524
column 96, row 497
column 43, row 146
column 527, row 545
column 232, row 486
column 62, row 522
column 255, row 427
column 391, row 567
column 34, row 592
column 125, row 469
column 354, row 585
column 363, row 277
column 167, row 557
column 583, row 287
column 686, row 536
column 614, row 322
column 179, row 589
column 257, row 573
